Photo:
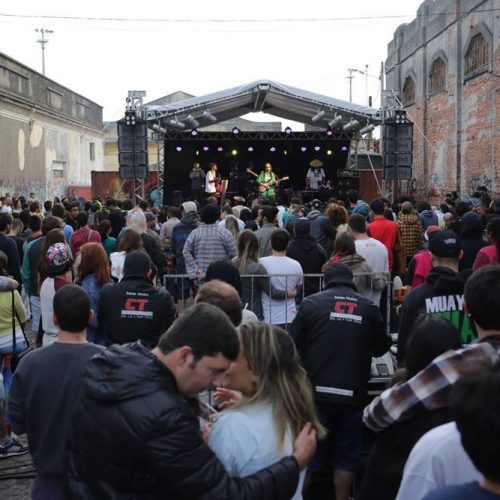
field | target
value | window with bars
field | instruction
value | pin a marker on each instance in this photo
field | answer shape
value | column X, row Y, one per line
column 437, row 76
column 477, row 55
column 408, row 91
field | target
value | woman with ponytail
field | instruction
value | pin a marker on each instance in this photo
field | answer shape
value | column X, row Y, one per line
column 491, row 253
column 260, row 428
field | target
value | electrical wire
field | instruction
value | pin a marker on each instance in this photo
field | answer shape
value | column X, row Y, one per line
column 222, row 21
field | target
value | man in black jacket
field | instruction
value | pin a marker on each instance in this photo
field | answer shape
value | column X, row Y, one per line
column 308, row 253
column 337, row 332
column 134, row 435
column 321, row 228
column 442, row 293
column 134, row 309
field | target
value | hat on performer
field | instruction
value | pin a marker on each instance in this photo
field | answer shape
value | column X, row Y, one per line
column 316, row 163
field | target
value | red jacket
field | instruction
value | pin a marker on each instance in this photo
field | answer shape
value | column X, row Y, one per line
column 386, row 232
column 82, row 236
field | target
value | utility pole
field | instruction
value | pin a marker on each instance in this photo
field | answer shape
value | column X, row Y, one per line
column 42, row 41
column 351, row 76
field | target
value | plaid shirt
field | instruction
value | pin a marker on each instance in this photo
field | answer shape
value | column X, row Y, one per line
column 205, row 245
column 427, row 390
column 411, row 233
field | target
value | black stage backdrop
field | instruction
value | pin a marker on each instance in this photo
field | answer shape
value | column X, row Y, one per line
column 288, row 156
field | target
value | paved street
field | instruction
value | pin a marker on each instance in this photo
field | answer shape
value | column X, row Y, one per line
column 22, row 469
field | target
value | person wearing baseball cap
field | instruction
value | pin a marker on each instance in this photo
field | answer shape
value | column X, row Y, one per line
column 315, row 176
column 442, row 293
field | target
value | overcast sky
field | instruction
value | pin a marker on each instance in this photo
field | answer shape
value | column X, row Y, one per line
column 203, row 46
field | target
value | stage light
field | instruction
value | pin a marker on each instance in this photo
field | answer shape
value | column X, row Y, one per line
column 303, row 149
column 351, row 126
column 192, row 121
column 335, row 122
column 250, row 149
column 234, row 152
column 329, row 152
column 209, row 116
column 316, row 148
column 288, row 131
column 236, row 131
column 272, row 149
column 205, row 148
column 159, row 129
column 220, row 149
column 318, row 115
column 285, row 152
column 400, row 116
column 329, row 132
column 367, row 129
column 179, row 149
column 176, row 124
column 197, row 153
column 343, row 148
column 194, row 132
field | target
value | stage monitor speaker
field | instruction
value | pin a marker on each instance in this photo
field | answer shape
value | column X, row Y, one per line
column 133, row 149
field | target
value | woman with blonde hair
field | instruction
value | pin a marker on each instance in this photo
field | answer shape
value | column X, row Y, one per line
column 247, row 262
column 277, row 402
column 231, row 224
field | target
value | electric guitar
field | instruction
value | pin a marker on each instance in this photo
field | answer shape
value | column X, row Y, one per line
column 264, row 186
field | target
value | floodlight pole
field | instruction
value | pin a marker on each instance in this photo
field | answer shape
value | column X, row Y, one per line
column 42, row 41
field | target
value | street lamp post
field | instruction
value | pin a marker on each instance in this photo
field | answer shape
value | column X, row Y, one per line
column 42, row 41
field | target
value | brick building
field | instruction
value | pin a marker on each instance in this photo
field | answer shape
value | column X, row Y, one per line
column 445, row 66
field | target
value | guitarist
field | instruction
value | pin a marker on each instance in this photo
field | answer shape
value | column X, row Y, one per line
column 267, row 182
column 212, row 180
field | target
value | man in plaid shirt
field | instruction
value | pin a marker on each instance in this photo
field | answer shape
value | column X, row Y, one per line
column 411, row 230
column 208, row 243
column 430, row 389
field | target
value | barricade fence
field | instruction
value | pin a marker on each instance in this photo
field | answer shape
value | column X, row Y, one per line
column 275, row 298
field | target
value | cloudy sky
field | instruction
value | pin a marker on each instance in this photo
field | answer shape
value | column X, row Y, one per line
column 103, row 49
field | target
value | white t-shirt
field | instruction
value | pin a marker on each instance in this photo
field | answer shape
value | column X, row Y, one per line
column 246, row 441
column 316, row 177
column 280, row 312
column 438, row 459
column 376, row 256
column 210, row 186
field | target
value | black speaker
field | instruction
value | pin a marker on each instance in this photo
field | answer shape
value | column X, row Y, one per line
column 398, row 150
column 133, row 149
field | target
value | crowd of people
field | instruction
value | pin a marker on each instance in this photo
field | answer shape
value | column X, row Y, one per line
column 219, row 350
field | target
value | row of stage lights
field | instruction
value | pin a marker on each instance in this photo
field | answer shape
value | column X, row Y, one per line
column 236, row 131
column 272, row 149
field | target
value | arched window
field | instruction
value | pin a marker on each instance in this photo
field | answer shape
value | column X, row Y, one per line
column 437, row 76
column 477, row 55
column 408, row 91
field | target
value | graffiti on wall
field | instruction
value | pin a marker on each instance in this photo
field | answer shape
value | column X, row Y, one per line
column 481, row 180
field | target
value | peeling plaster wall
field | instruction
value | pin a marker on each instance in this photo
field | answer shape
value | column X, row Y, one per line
column 45, row 134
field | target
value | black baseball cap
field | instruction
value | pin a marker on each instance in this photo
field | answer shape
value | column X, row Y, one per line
column 445, row 244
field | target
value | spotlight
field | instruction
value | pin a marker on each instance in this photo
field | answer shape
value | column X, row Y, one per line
column 197, row 153
column 272, row 149
column 250, row 149
column 194, row 132
column 209, row 116
column 192, row 121
column 236, row 131
column 329, row 132
column 400, row 116
column 335, row 122
column 234, row 152
column 367, row 129
column 285, row 152
column 159, row 129
column 303, row 149
column 220, row 149
column 343, row 148
column 351, row 126
column 179, row 149
column 176, row 124
column 205, row 148
column 288, row 131
column 316, row 148
column 329, row 152
column 318, row 115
